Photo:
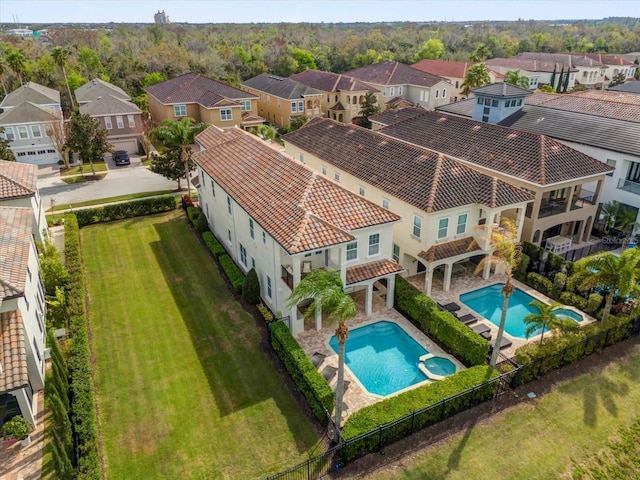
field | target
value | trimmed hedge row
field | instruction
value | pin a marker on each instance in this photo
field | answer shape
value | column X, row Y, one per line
column 83, row 408
column 213, row 244
column 442, row 326
column 119, row 211
column 234, row 274
column 310, row 382
column 540, row 283
column 447, row 391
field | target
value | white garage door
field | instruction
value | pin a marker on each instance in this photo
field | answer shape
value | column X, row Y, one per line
column 130, row 146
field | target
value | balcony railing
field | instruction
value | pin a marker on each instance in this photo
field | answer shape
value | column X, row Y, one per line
column 629, row 186
column 585, row 199
column 552, row 207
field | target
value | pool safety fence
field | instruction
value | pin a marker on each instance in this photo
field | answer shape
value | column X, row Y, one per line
column 375, row 440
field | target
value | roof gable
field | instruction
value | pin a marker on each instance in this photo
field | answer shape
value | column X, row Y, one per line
column 194, row 88
column 109, row 105
column 17, row 180
column 280, row 87
column 97, row 88
column 28, row 112
column 331, row 82
column 31, row 92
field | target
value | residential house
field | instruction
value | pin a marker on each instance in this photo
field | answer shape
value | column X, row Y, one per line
column 539, row 72
column 615, row 64
column 203, row 99
column 440, row 199
column 18, row 188
column 29, row 113
column 276, row 215
column 629, row 87
column 602, row 125
column 343, row 94
column 454, row 72
column 397, row 80
column 22, row 316
column 112, row 107
column 280, row 99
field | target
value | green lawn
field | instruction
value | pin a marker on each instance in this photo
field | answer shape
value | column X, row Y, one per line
column 183, row 388
column 120, row 198
column 86, row 169
column 540, row 438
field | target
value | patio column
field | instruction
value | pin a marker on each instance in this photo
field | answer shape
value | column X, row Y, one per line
column 447, row 277
column 391, row 287
column 319, row 319
column 26, row 409
column 297, row 324
column 428, row 279
column 519, row 222
column 486, row 271
column 368, row 301
column 296, row 270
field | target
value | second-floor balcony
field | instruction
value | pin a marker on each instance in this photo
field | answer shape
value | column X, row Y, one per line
column 550, row 207
column 312, row 111
column 584, row 199
column 306, row 266
column 629, row 186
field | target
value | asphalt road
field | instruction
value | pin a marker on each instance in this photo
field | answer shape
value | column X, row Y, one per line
column 122, row 180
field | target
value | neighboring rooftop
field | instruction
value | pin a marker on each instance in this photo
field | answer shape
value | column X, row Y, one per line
column 629, row 87
column 531, row 157
column 109, row 105
column 15, row 241
column 97, row 88
column 609, row 59
column 17, row 180
column 280, row 87
column 31, row 92
column 593, row 104
column 300, row 209
column 572, row 59
column 392, row 116
column 445, row 68
column 427, row 180
column 196, row 88
column 394, row 73
column 28, row 112
column 13, row 352
column 331, row 82
column 530, row 65
column 501, row 90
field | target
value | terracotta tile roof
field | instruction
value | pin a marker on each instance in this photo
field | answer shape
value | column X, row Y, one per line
column 398, row 102
column 15, row 242
column 601, row 104
column 423, row 178
column 395, row 115
column 17, row 180
column 332, row 82
column 248, row 117
column 27, row 112
column 13, row 352
column 532, row 157
column 530, row 65
column 195, row 88
column 337, row 107
column 609, row 59
column 301, row 210
column 394, row 73
column 97, row 88
column 280, row 87
column 109, row 105
column 31, row 92
column 571, row 59
column 371, row 270
column 450, row 249
column 446, row 68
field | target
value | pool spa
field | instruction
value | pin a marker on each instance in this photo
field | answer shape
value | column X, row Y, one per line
column 487, row 302
column 383, row 357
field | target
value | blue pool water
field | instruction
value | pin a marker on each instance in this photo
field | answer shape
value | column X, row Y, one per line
column 487, row 302
column 440, row 366
column 565, row 312
column 383, row 357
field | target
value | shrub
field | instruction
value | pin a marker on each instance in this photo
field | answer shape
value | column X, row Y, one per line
column 533, row 251
column 234, row 274
column 193, row 213
column 266, row 313
column 539, row 282
column 559, row 282
column 213, row 244
column 593, row 303
column 424, row 313
column 119, row 211
column 52, row 270
column 202, row 224
column 555, row 262
column 17, row 427
column 520, row 273
column 569, row 298
column 251, row 287
column 311, row 383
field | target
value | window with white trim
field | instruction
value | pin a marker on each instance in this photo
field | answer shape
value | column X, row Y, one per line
column 180, row 110
column 417, row 226
column 385, row 203
column 361, row 190
column 245, row 106
column 336, row 176
column 8, row 134
column 324, row 170
column 300, row 106
column 22, row 133
column 251, row 230
column 396, row 253
column 443, row 228
column 226, row 115
column 37, row 350
column 131, row 121
column 119, row 121
column 352, row 251
column 384, row 91
column 229, row 205
column 437, row 92
column 35, row 131
column 107, row 123
column 374, row 244
column 268, row 286
column 461, row 227
column 213, row 188
column 444, row 93
column 243, row 255
column 229, row 234
column 399, row 90
column 294, row 107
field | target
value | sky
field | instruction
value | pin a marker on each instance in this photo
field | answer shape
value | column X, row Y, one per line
column 330, row 11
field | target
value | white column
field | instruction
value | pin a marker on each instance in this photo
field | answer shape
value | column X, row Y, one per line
column 296, row 270
column 368, row 300
column 486, row 271
column 519, row 222
column 342, row 254
column 428, row 279
column 26, row 409
column 391, row 287
column 297, row 324
column 447, row 277
column 319, row 319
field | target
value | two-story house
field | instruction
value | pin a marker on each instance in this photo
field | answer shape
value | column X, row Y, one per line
column 28, row 115
column 113, row 108
column 22, row 316
column 454, row 72
column 343, row 94
column 539, row 71
column 203, row 99
column 399, row 81
column 441, row 200
column 280, row 99
column 615, row 64
column 276, row 215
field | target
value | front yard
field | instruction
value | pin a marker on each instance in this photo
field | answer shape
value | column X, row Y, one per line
column 183, row 387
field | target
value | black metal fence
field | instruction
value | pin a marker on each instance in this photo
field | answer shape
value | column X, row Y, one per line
column 578, row 253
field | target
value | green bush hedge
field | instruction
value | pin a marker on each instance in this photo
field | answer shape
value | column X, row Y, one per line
column 533, row 251
column 118, row 211
column 569, row 298
column 555, row 262
column 539, row 282
column 594, row 303
column 83, row 409
column 234, row 274
column 520, row 273
column 559, row 282
column 213, row 244
column 424, row 313
column 310, row 382
column 193, row 213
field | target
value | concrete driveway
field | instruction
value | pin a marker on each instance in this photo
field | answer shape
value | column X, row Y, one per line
column 122, row 180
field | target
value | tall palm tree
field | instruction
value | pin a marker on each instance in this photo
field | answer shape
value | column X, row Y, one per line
column 502, row 241
column 179, row 133
column 514, row 78
column 619, row 275
column 476, row 76
column 546, row 319
column 481, row 53
column 60, row 56
column 327, row 291
column 16, row 61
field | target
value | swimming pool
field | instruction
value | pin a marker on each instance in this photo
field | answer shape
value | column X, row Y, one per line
column 383, row 357
column 487, row 302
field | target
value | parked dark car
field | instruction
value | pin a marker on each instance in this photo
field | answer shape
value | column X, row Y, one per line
column 120, row 157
